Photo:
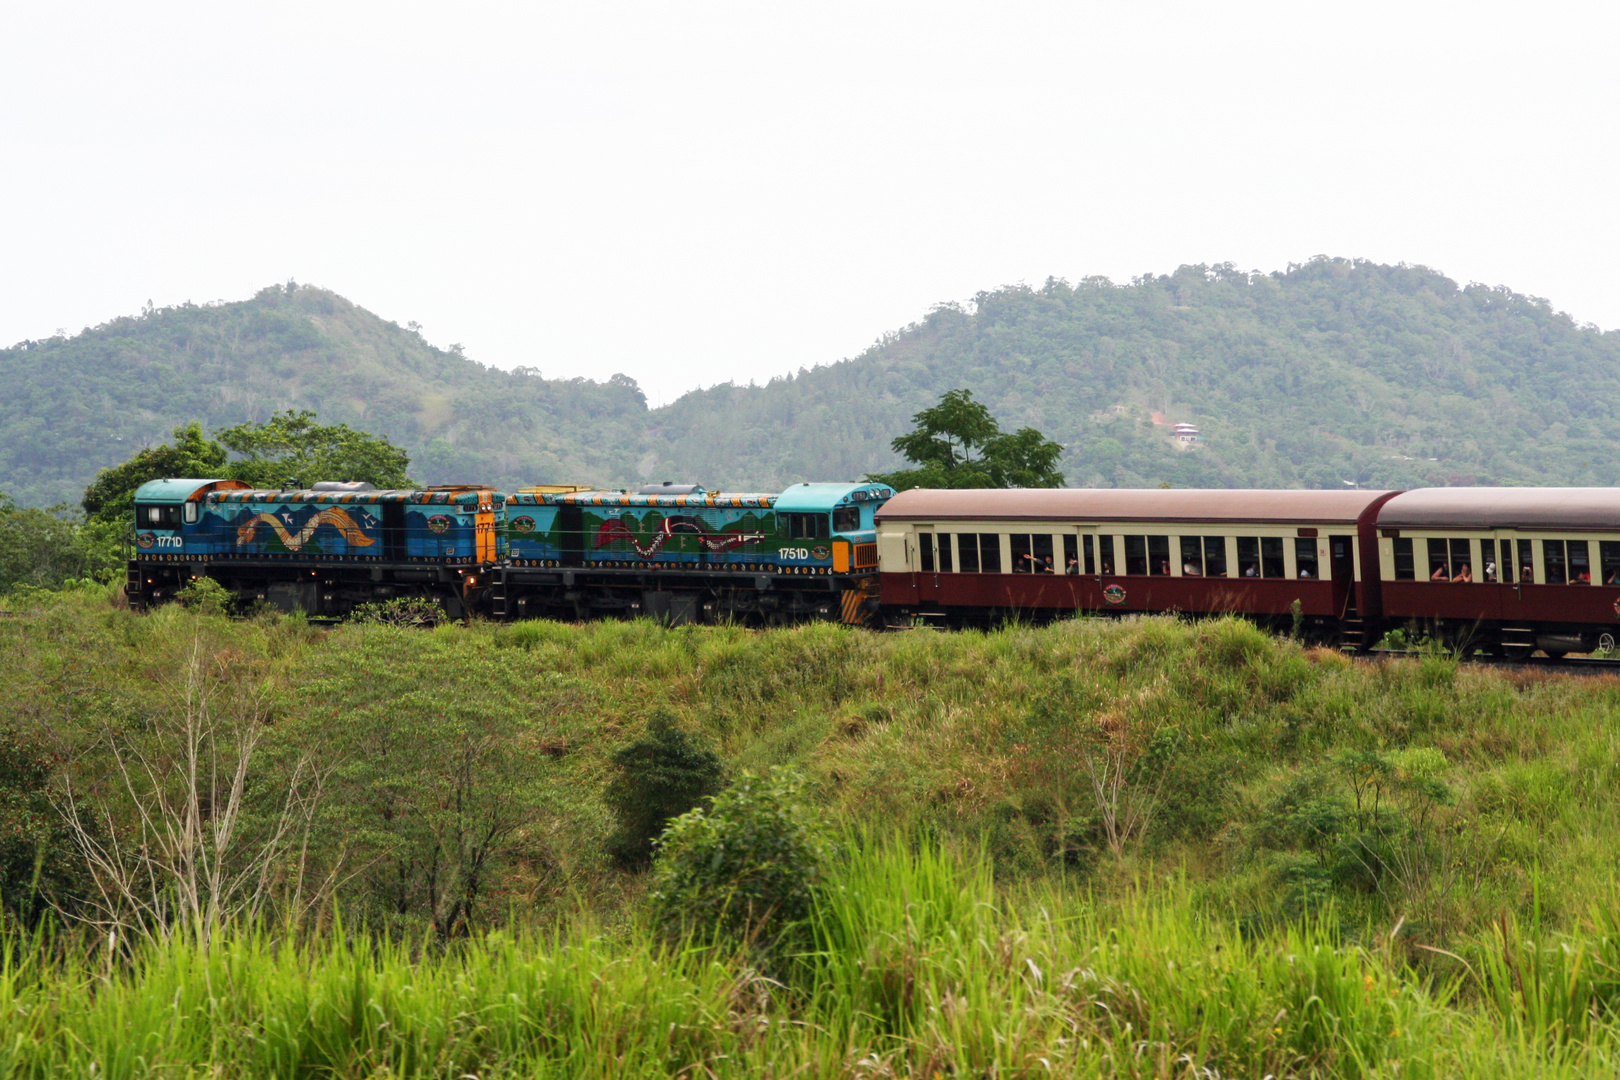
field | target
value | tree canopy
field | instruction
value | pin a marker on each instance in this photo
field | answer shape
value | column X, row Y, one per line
column 288, row 446
column 958, row 444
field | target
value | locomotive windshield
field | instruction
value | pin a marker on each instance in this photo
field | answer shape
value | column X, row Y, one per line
column 157, row 516
column 847, row 519
column 807, row 526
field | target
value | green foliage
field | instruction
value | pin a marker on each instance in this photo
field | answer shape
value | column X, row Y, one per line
column 657, row 778
column 43, row 549
column 110, row 498
column 291, row 446
column 747, row 867
column 39, row 867
column 958, row 444
column 399, row 611
column 205, row 596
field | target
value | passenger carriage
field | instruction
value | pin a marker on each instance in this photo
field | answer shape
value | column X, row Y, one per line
column 1505, row 569
column 975, row 556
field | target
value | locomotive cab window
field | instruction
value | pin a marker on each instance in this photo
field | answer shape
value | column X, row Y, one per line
column 807, row 526
column 846, row 519
column 189, row 513
column 157, row 516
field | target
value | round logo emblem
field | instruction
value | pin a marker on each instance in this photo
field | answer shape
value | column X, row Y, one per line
column 146, row 540
column 524, row 524
column 438, row 523
column 820, row 551
column 1114, row 594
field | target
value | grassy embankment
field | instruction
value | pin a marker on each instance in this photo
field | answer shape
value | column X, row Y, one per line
column 1313, row 867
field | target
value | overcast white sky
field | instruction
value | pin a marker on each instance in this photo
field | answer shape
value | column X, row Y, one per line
column 696, row 193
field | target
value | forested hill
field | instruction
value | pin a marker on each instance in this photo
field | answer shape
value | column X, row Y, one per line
column 1329, row 372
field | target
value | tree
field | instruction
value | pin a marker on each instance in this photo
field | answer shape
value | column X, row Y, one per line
column 659, row 777
column 111, row 495
column 291, row 445
column 288, row 446
column 958, row 444
column 43, row 548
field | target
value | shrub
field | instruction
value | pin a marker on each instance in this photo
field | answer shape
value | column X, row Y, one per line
column 400, row 611
column 657, row 778
column 39, row 868
column 748, row 867
column 205, row 596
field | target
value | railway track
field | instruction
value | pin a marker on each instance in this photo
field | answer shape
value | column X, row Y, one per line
column 1581, row 665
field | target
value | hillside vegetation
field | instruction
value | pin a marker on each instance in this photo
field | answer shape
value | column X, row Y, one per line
column 1141, row 847
column 1332, row 371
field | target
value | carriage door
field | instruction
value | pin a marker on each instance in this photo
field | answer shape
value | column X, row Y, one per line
column 1513, row 569
column 927, row 568
column 1342, row 558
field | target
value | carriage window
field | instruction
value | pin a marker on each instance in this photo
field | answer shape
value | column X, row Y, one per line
column 1105, row 555
column 1580, row 562
column 1439, row 560
column 1451, row 560
column 967, row 553
column 1071, row 558
column 1504, row 568
column 925, row 552
column 1405, row 570
column 1488, row 570
column 1089, row 548
column 807, row 526
column 1462, row 560
column 1271, row 557
column 1136, row 556
column 1305, row 557
column 1527, row 564
column 1158, row 555
column 1554, row 570
column 1192, row 557
column 1022, row 561
column 847, row 519
column 990, row 553
column 1042, row 543
column 1248, row 556
column 1215, row 556
column 944, row 553
column 1609, row 552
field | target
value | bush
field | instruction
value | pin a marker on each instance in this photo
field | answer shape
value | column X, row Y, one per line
column 657, row 778
column 748, row 867
column 205, row 596
column 39, row 865
column 400, row 611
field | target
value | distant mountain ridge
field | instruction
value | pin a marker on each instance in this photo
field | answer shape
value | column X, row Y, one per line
column 1330, row 372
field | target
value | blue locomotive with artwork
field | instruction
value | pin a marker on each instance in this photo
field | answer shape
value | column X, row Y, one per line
column 724, row 554
column 321, row 549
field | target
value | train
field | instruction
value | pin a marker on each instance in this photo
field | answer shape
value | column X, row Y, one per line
column 1504, row 571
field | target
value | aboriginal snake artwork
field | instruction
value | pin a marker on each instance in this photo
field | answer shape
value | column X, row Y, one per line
column 334, row 516
column 614, row 529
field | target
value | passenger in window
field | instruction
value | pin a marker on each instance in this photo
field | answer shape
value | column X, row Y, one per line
column 1191, row 569
column 1582, row 578
column 1464, row 575
column 1440, row 573
column 1305, row 572
column 1251, row 570
column 1614, row 578
column 1108, row 566
column 1074, row 565
column 1164, row 567
column 1490, row 571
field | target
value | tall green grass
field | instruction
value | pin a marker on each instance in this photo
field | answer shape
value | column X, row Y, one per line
column 921, row 967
